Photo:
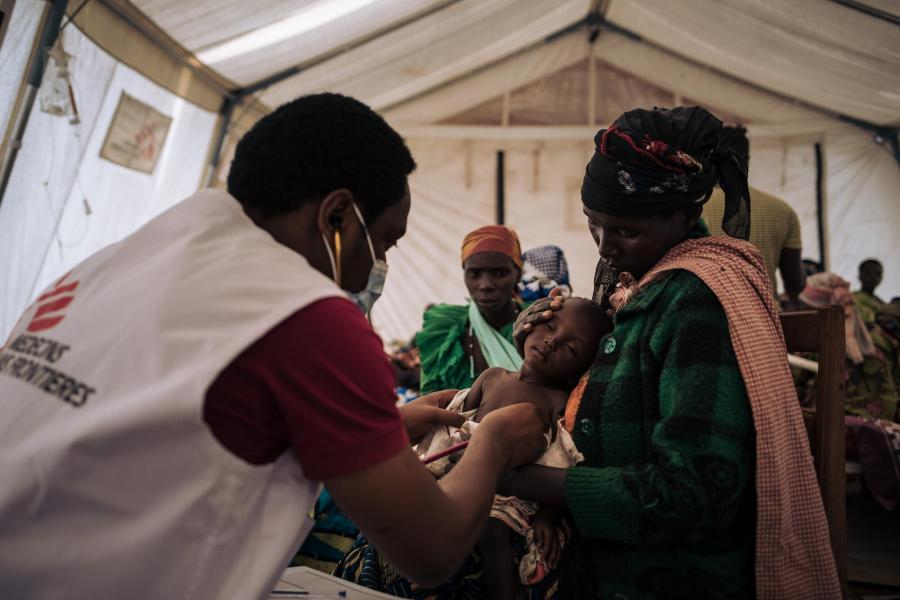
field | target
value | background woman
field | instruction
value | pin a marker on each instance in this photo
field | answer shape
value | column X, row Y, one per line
column 458, row 342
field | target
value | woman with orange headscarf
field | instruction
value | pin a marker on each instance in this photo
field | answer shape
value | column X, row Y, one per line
column 458, row 342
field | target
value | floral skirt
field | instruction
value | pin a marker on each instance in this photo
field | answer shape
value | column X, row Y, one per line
column 365, row 566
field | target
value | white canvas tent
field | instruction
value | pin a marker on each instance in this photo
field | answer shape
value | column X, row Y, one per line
column 816, row 82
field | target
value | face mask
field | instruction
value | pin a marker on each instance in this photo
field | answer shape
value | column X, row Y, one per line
column 365, row 299
column 377, row 276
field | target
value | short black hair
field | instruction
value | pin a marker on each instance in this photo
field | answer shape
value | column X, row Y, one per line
column 874, row 262
column 314, row 145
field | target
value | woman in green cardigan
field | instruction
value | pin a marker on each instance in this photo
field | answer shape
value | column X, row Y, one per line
column 697, row 479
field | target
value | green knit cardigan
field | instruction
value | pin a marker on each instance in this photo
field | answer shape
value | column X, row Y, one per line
column 665, row 498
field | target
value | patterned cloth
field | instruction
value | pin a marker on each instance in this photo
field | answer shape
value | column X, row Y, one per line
column 873, row 386
column 493, row 238
column 331, row 537
column 545, row 268
column 365, row 566
column 517, row 514
column 826, row 289
column 875, row 443
column 793, row 552
column 650, row 162
column 775, row 226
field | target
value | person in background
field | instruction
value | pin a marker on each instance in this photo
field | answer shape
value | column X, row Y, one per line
column 545, row 270
column 458, row 342
column 871, row 271
column 880, row 320
column 776, row 228
column 870, row 389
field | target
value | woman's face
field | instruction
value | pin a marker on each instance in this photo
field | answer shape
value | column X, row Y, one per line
column 635, row 244
column 491, row 279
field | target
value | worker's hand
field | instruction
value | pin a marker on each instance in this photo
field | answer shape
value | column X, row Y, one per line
column 424, row 414
column 539, row 312
column 520, row 430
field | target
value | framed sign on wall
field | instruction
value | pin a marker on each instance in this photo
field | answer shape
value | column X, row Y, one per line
column 136, row 135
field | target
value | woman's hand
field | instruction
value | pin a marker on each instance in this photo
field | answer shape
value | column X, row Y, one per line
column 519, row 429
column 424, row 414
column 539, row 312
column 546, row 536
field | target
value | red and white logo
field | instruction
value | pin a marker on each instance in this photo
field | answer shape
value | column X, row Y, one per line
column 51, row 306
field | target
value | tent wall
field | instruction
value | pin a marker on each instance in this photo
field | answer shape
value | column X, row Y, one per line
column 455, row 131
column 64, row 202
column 23, row 24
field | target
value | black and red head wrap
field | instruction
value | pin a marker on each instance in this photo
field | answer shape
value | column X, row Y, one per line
column 651, row 162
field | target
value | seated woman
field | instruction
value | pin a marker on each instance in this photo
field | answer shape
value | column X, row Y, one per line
column 879, row 318
column 458, row 342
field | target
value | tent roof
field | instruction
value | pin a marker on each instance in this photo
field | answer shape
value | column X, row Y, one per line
column 831, row 55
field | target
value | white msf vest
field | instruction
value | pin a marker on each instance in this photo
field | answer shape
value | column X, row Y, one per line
column 111, row 484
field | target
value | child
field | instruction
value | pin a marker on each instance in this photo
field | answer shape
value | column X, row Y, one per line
column 555, row 355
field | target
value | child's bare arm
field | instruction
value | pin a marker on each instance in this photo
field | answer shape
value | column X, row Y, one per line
column 473, row 399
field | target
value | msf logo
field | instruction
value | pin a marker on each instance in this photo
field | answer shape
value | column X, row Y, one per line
column 51, row 305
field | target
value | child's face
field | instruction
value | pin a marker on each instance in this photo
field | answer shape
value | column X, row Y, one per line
column 565, row 346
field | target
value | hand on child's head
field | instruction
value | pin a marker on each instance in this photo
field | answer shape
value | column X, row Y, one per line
column 564, row 348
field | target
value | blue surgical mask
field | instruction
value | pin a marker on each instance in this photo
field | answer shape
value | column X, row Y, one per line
column 366, row 299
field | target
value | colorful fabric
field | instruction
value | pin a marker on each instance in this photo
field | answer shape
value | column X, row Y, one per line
column 331, row 537
column 331, row 402
column 673, row 468
column 826, row 289
column 868, row 305
column 875, row 443
column 364, row 565
column 650, row 162
column 493, row 238
column 496, row 348
column 442, row 348
column 775, row 226
column 545, row 269
column 517, row 514
column 872, row 387
column 549, row 261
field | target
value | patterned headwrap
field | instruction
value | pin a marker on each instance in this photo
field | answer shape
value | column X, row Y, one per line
column 652, row 162
column 545, row 269
column 493, row 238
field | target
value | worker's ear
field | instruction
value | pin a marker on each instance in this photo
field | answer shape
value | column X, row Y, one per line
column 335, row 209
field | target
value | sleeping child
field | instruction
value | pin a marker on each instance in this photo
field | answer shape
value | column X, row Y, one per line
column 555, row 355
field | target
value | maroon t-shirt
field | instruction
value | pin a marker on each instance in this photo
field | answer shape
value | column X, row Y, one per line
column 319, row 383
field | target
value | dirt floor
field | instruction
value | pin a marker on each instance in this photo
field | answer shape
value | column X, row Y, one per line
column 873, row 540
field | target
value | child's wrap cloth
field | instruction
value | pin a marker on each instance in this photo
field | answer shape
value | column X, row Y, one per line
column 515, row 513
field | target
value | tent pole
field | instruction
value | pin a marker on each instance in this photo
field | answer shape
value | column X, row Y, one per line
column 501, row 200
column 820, row 207
column 226, row 113
column 48, row 36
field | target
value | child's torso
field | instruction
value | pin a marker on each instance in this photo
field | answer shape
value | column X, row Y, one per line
column 505, row 389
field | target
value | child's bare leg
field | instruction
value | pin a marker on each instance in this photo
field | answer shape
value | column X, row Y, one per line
column 499, row 568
